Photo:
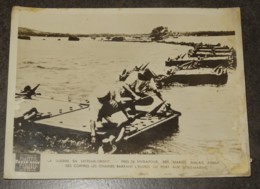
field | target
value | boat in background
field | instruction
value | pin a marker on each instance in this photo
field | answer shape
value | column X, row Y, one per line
column 211, row 51
column 24, row 37
column 210, row 62
column 207, row 56
column 192, row 73
column 73, row 38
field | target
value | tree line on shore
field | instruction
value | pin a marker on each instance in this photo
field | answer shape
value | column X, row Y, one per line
column 157, row 34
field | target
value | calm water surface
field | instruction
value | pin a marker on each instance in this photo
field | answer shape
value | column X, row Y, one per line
column 65, row 68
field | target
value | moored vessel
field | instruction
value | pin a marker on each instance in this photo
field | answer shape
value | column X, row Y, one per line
column 45, row 123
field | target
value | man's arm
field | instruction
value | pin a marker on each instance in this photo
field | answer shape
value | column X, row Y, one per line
column 152, row 86
column 158, row 94
column 127, row 88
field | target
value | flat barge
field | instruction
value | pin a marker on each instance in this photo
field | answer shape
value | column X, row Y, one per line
column 210, row 62
column 199, row 76
column 66, row 122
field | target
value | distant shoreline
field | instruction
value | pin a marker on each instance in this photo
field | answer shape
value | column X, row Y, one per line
column 127, row 40
column 192, row 44
column 30, row 32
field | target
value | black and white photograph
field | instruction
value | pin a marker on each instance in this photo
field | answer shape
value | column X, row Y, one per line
column 126, row 93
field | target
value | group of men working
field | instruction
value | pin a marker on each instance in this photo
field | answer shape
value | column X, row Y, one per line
column 134, row 89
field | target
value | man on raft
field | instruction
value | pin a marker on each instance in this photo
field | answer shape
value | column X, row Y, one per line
column 103, row 107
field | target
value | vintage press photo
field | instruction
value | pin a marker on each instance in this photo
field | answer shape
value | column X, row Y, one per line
column 126, row 93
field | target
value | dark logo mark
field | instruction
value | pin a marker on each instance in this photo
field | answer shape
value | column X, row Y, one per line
column 27, row 162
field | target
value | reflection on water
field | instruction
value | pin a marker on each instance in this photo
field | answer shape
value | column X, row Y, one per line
column 66, row 68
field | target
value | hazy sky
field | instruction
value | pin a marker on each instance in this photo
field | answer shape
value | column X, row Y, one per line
column 85, row 21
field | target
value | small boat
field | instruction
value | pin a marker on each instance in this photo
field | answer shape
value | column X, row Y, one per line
column 142, row 131
column 210, row 51
column 146, row 123
column 197, row 76
column 73, row 38
column 209, row 62
column 118, row 39
column 207, row 56
column 24, row 37
column 147, row 118
column 47, row 118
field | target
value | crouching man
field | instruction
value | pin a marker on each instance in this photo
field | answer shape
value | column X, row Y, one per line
column 108, row 118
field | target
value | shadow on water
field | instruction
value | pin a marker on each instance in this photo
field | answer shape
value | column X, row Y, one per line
column 35, row 140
